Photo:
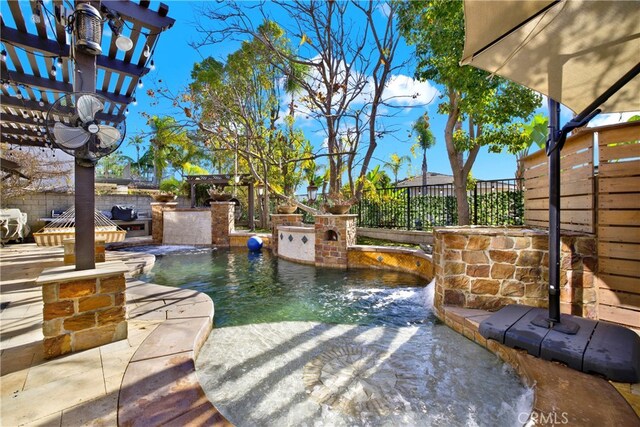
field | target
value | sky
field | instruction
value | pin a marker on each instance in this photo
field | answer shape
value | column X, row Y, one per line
column 174, row 59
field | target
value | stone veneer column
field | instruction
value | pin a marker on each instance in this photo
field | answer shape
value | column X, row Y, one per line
column 83, row 309
column 488, row 268
column 222, row 222
column 157, row 219
column 334, row 234
column 293, row 220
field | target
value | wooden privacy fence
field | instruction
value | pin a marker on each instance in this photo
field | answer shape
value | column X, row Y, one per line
column 600, row 194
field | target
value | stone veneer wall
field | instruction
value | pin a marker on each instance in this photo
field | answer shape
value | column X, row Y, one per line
column 488, row 268
column 277, row 220
column 222, row 222
column 334, row 235
column 157, row 219
column 83, row 309
column 390, row 258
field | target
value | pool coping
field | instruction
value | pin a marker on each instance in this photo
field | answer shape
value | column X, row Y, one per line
column 160, row 385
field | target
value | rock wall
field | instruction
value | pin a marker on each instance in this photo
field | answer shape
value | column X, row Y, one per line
column 488, row 268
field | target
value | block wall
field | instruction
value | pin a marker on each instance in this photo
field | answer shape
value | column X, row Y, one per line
column 157, row 219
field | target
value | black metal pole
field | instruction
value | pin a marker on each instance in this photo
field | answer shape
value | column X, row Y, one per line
column 554, row 211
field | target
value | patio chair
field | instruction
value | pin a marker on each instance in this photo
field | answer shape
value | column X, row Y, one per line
column 13, row 225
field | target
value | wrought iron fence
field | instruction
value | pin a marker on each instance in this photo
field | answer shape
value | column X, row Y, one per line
column 497, row 202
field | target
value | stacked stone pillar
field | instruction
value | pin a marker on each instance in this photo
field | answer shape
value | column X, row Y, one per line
column 277, row 220
column 222, row 223
column 157, row 219
column 488, row 268
column 83, row 309
column 334, row 234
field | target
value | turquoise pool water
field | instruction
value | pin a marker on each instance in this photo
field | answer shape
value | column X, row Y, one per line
column 250, row 288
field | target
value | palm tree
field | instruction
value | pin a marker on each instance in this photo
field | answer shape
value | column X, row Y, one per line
column 426, row 140
column 395, row 164
column 167, row 140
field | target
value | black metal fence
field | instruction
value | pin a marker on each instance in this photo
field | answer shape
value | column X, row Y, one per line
column 497, row 202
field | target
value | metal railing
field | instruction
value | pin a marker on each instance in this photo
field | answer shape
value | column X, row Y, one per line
column 496, row 202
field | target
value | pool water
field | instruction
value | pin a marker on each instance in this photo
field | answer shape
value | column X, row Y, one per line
column 249, row 288
column 296, row 345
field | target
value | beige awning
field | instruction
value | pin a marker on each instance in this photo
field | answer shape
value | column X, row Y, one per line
column 572, row 51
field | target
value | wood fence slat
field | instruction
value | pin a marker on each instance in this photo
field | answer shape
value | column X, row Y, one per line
column 619, row 315
column 570, row 202
column 621, row 217
column 618, row 266
column 627, row 168
column 619, row 250
column 612, row 153
column 581, row 158
column 619, row 185
column 628, row 234
column 619, row 299
column 566, row 189
column 620, row 201
column 619, row 283
column 611, row 136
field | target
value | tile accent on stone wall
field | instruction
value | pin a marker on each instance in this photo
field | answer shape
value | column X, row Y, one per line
column 488, row 268
column 84, row 311
column 386, row 258
column 277, row 220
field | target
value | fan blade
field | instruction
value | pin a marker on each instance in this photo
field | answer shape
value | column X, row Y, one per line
column 70, row 137
column 108, row 136
column 88, row 106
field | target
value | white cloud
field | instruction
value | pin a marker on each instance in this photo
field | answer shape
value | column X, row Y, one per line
column 405, row 91
column 610, row 119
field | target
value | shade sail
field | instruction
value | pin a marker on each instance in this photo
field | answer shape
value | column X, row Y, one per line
column 571, row 51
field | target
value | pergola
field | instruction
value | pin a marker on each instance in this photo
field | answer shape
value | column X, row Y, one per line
column 222, row 180
column 40, row 64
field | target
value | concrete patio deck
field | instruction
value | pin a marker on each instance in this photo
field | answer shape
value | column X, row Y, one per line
column 147, row 379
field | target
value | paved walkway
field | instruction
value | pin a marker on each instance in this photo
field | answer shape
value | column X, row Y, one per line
column 103, row 386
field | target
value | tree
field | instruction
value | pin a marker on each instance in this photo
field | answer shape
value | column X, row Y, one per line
column 536, row 132
column 425, row 139
column 341, row 70
column 170, row 145
column 488, row 104
column 395, row 164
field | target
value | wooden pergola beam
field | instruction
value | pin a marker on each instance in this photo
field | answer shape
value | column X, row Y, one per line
column 137, row 14
column 50, row 47
column 56, row 86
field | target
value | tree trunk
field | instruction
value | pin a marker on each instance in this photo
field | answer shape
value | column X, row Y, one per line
column 424, row 168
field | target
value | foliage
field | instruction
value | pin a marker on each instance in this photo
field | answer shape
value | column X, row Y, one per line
column 399, row 208
column 42, row 171
column 170, row 146
column 535, row 132
column 172, row 185
column 488, row 105
column 395, row 163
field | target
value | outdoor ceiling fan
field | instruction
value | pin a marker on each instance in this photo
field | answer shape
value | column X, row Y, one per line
column 75, row 125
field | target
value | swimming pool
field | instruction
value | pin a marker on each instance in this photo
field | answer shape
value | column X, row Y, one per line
column 295, row 346
column 249, row 288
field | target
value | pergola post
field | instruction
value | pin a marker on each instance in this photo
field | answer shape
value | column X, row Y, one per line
column 84, row 80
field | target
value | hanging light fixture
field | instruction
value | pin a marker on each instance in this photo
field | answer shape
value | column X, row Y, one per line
column 59, row 62
column 53, row 70
column 87, row 29
column 135, row 101
column 116, row 24
column 147, row 51
column 3, row 55
column 312, row 193
column 140, row 83
column 152, row 65
column 126, row 112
